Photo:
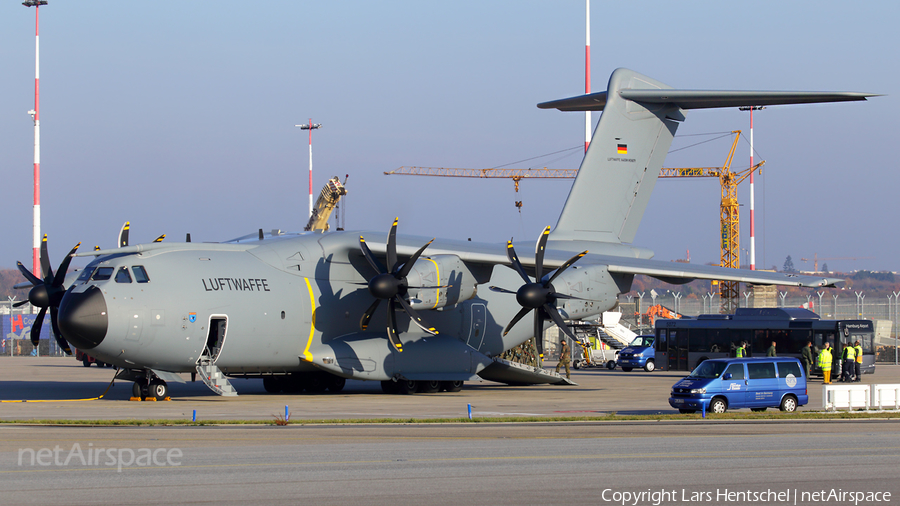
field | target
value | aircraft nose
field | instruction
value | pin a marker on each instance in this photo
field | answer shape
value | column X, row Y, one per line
column 82, row 318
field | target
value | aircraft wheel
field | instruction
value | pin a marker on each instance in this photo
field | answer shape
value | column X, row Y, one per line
column 159, row 389
column 293, row 384
column 429, row 387
column 316, row 383
column 451, row 386
column 650, row 366
column 85, row 362
column 337, row 383
column 389, row 387
column 407, row 387
column 136, row 389
column 272, row 384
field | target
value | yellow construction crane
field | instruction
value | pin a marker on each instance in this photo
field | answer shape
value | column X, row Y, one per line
column 515, row 174
column 730, row 218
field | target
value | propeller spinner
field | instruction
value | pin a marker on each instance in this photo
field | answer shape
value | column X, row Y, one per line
column 539, row 295
column 47, row 293
column 391, row 285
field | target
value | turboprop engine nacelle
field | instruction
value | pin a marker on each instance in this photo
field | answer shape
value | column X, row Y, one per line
column 592, row 283
column 448, row 272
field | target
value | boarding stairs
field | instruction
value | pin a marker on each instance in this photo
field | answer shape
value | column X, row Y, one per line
column 213, row 378
column 613, row 333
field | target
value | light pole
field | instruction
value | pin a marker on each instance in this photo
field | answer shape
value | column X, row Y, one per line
column 310, row 126
column 36, row 116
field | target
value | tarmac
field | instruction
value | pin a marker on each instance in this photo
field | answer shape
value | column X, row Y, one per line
column 51, row 389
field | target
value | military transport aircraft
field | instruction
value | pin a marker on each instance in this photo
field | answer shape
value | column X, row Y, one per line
column 309, row 310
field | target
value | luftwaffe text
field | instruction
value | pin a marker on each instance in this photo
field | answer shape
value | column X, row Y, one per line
column 236, row 284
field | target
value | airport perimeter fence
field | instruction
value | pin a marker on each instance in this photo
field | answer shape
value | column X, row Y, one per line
column 15, row 329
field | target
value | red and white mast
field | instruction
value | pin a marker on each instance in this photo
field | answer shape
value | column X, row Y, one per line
column 310, row 126
column 36, row 115
column 752, row 203
column 587, row 72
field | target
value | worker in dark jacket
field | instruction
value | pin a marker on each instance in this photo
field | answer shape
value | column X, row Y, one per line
column 771, row 351
column 806, row 356
column 565, row 356
column 857, row 368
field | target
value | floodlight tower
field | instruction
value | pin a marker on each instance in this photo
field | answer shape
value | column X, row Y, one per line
column 310, row 126
column 36, row 116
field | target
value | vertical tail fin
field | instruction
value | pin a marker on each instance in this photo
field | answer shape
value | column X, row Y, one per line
column 639, row 120
column 619, row 170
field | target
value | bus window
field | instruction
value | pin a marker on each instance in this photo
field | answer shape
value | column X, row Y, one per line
column 798, row 340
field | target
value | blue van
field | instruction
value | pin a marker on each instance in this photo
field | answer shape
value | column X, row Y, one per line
column 731, row 383
column 640, row 353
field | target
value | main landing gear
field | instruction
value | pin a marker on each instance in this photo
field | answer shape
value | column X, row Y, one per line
column 407, row 387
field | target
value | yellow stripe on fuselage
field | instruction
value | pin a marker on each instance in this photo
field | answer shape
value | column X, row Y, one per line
column 438, row 274
column 312, row 317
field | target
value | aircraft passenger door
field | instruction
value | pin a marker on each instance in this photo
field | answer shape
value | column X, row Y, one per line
column 476, row 325
column 215, row 337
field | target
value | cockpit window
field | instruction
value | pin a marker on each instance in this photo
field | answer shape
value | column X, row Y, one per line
column 102, row 274
column 140, row 274
column 122, row 276
column 85, row 275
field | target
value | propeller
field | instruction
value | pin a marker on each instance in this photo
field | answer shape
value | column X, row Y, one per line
column 539, row 295
column 391, row 286
column 47, row 293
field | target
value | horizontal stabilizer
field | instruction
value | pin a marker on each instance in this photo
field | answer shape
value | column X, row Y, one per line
column 704, row 99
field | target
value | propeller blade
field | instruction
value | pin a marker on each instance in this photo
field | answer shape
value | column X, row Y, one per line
column 539, row 332
column 539, row 253
column 412, row 260
column 160, row 238
column 60, row 340
column 415, row 316
column 564, row 296
column 368, row 254
column 64, row 267
column 46, row 270
column 36, row 327
column 514, row 260
column 28, row 275
column 123, row 234
column 565, row 266
column 393, row 336
column 500, row 290
column 521, row 314
column 364, row 321
column 392, row 247
column 21, row 303
column 558, row 320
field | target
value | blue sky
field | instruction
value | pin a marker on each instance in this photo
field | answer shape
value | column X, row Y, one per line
column 179, row 116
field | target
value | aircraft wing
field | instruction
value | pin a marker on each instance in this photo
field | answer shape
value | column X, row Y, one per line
column 666, row 271
column 688, row 272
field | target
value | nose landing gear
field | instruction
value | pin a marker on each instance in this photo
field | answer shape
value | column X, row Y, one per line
column 146, row 388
